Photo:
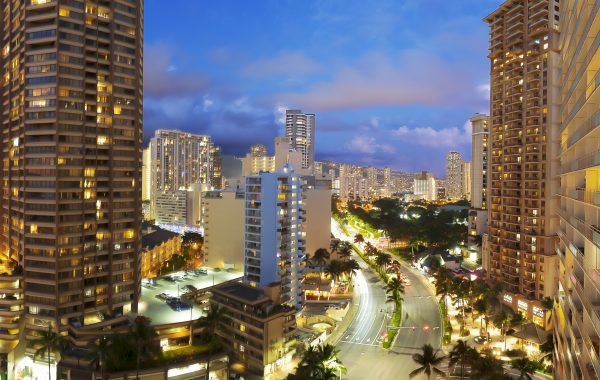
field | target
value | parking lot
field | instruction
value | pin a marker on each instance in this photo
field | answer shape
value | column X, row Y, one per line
column 174, row 286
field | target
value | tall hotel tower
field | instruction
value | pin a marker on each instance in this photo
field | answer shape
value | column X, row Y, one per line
column 524, row 141
column 300, row 127
column 71, row 125
column 577, row 312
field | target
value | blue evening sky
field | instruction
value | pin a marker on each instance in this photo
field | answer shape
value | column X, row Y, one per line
column 392, row 82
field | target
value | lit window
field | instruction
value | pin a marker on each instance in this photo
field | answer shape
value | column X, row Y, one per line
column 64, row 12
column 33, row 229
column 102, row 140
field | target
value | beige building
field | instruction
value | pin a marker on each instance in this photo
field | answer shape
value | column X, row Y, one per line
column 454, row 179
column 354, row 187
column 71, row 124
column 257, row 161
column 223, row 213
column 577, row 311
column 158, row 246
column 465, row 171
column 478, row 213
column 316, row 228
column 257, row 329
column 524, row 125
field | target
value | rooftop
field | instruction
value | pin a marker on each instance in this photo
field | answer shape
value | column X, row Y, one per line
column 156, row 237
column 157, row 309
column 242, row 291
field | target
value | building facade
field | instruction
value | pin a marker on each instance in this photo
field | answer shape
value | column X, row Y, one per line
column 479, row 184
column 71, row 117
column 223, row 213
column 300, row 128
column 524, row 151
column 158, row 246
column 179, row 160
column 454, row 188
column 274, row 248
column 465, row 171
column 577, row 306
column 424, row 186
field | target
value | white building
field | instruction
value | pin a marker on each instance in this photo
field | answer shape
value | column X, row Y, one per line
column 179, row 160
column 300, row 128
column 354, row 187
column 424, row 186
column 274, row 249
column 478, row 212
column 180, row 207
column 257, row 161
column 466, row 179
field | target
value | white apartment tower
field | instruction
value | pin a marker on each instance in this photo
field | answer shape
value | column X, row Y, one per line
column 424, row 186
column 274, row 249
column 454, row 176
column 300, row 127
column 479, row 182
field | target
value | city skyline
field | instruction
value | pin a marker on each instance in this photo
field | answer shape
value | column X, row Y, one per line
column 393, row 92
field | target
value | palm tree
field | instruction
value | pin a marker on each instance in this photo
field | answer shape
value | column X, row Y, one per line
column 525, row 367
column 334, row 269
column 335, row 245
column 482, row 307
column 100, row 350
column 369, row 249
column 319, row 363
column 358, row 238
column 501, row 319
column 143, row 334
column 350, row 267
column 345, row 250
column 211, row 321
column 443, row 283
column 320, row 257
column 49, row 342
column 487, row 367
column 383, row 260
column 394, row 288
column 548, row 305
column 463, row 353
column 428, row 360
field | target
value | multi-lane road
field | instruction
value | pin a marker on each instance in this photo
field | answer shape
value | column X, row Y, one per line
column 360, row 347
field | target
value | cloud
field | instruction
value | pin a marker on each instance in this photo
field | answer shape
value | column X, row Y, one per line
column 367, row 145
column 284, row 64
column 162, row 78
column 434, row 138
column 411, row 77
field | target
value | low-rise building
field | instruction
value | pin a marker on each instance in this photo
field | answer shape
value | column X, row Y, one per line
column 158, row 246
column 257, row 329
column 223, row 213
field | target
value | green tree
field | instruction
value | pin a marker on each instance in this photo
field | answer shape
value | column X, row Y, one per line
column 358, row 238
column 502, row 320
column 462, row 353
column 394, row 288
column 319, row 363
column 99, row 353
column 428, row 362
column 143, row 334
column 443, row 286
column 334, row 269
column 350, row 267
column 334, row 246
column 320, row 258
column 47, row 343
column 383, row 260
column 487, row 367
column 525, row 367
column 548, row 305
column 482, row 307
column 345, row 250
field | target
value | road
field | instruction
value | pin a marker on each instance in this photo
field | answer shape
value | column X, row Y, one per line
column 360, row 349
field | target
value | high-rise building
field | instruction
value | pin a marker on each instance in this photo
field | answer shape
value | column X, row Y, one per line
column 387, row 181
column 300, row 128
column 372, row 177
column 577, row 307
column 258, row 150
column 424, row 186
column 354, row 188
column 524, row 134
column 479, row 184
column 274, row 249
column 454, row 176
column 71, row 117
column 465, row 171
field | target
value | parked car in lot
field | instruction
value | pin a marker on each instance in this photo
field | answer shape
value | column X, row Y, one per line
column 190, row 288
column 177, row 305
column 162, row 296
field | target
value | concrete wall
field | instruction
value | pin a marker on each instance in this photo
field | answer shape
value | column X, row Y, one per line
column 223, row 229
